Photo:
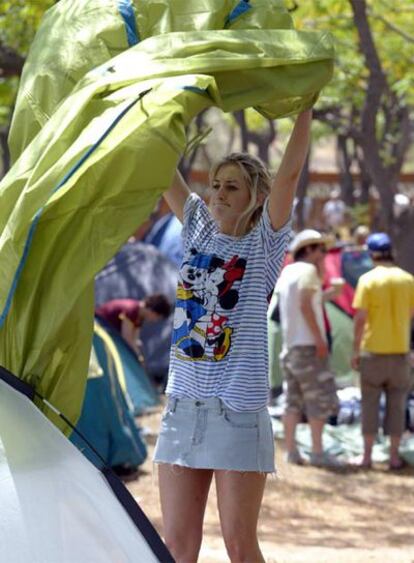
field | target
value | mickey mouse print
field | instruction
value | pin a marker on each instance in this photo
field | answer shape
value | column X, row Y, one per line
column 206, row 293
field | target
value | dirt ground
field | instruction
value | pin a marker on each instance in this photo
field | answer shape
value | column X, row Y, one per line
column 311, row 515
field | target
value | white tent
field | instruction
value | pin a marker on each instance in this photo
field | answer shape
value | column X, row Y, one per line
column 55, row 506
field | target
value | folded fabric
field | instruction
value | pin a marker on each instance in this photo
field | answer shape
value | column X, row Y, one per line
column 96, row 139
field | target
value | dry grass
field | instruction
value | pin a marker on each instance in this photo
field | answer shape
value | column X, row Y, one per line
column 313, row 515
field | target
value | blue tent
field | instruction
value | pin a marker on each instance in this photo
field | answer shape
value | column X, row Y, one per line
column 131, row 375
column 165, row 234
column 107, row 418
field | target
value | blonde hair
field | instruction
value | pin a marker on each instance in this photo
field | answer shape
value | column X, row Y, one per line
column 258, row 181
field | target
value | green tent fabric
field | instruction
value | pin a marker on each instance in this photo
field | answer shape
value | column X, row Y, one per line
column 342, row 347
column 95, row 157
column 275, row 343
column 76, row 37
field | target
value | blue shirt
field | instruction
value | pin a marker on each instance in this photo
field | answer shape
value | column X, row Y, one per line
column 219, row 343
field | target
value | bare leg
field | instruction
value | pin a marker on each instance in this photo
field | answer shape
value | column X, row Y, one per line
column 290, row 421
column 394, row 453
column 183, row 494
column 239, row 496
column 316, row 426
column 369, row 440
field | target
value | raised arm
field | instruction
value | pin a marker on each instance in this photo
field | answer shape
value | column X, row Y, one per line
column 286, row 180
column 177, row 195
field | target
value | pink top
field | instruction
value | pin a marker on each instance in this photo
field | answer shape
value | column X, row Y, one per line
column 113, row 311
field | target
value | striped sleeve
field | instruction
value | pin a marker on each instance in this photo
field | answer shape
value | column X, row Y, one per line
column 190, row 208
column 275, row 246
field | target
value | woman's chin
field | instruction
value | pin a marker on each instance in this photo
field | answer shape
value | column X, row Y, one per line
column 217, row 214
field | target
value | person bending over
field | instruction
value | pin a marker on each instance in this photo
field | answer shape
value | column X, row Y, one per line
column 128, row 315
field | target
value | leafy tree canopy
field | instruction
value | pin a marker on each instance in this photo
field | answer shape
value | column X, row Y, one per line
column 19, row 20
column 392, row 25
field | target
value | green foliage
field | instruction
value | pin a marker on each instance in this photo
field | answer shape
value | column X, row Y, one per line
column 19, row 20
column 361, row 214
column 7, row 93
column 392, row 25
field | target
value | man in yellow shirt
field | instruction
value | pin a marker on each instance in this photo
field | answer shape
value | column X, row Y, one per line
column 384, row 303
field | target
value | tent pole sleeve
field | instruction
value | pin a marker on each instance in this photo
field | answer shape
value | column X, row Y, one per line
column 17, row 383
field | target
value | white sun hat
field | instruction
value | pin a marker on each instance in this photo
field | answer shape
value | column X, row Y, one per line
column 306, row 238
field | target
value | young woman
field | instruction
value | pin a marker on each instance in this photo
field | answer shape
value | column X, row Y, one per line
column 216, row 421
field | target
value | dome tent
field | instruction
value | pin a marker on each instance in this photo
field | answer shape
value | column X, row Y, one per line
column 55, row 505
column 107, row 417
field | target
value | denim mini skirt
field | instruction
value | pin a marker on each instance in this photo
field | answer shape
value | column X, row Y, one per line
column 206, row 434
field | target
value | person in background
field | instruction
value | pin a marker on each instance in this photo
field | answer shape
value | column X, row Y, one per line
column 165, row 233
column 304, row 358
column 334, row 211
column 360, row 236
column 384, row 303
column 128, row 315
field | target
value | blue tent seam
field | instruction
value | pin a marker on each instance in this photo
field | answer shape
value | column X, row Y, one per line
column 242, row 7
column 127, row 12
column 39, row 213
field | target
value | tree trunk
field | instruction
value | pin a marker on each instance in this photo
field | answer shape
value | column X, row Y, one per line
column 345, row 175
column 4, row 148
column 262, row 139
column 404, row 240
column 365, row 179
column 380, row 100
column 11, row 63
column 244, row 133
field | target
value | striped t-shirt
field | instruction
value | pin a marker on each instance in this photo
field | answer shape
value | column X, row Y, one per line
column 219, row 343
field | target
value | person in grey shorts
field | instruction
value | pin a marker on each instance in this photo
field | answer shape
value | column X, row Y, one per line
column 304, row 358
column 216, row 421
column 384, row 303
column 310, row 383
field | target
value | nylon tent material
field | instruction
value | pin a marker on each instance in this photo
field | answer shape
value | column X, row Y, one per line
column 102, row 29
column 55, row 505
column 107, row 418
column 275, row 341
column 107, row 150
column 349, row 263
column 120, row 359
column 342, row 345
column 345, row 442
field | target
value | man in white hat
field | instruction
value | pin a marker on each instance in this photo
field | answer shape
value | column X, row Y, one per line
column 304, row 359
